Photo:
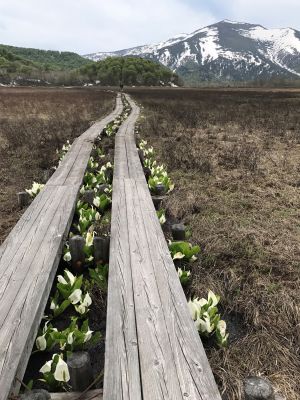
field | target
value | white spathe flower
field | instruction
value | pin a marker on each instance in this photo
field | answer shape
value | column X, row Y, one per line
column 96, row 202
column 71, row 277
column 162, row 219
column 70, row 338
column 41, row 343
column 222, row 328
column 62, row 280
column 193, row 308
column 213, row 298
column 61, row 373
column 97, row 216
column 81, row 309
column 89, row 240
column 53, row 305
column 67, row 256
column 87, row 336
column 203, row 324
column 46, row 367
column 75, row 297
column 178, row 256
column 87, row 301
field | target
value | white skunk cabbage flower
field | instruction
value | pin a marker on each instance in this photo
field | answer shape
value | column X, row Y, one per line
column 213, row 298
column 71, row 277
column 62, row 280
column 89, row 240
column 178, row 256
column 41, row 343
column 67, row 256
column 87, row 336
column 75, row 297
column 46, row 367
column 70, row 338
column 61, row 373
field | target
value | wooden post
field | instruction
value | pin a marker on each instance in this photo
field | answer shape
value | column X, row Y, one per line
column 102, row 188
column 23, row 199
column 36, row 394
column 88, row 197
column 94, row 153
column 147, row 172
column 160, row 189
column 101, row 249
column 141, row 155
column 77, row 244
column 157, row 200
column 257, row 388
column 178, row 232
column 109, row 174
column 80, row 369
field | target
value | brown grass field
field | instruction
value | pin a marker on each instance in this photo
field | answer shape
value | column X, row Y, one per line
column 33, row 124
column 234, row 156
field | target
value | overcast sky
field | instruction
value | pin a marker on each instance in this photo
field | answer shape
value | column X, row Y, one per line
column 87, row 26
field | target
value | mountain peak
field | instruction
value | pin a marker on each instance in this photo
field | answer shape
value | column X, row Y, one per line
column 224, row 51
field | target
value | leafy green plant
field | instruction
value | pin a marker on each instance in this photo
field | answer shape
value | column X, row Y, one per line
column 35, row 189
column 69, row 292
column 102, row 202
column 207, row 319
column 184, row 276
column 87, row 216
column 99, row 276
column 71, row 339
column 161, row 214
column 183, row 251
column 56, row 373
column 65, row 148
column 162, row 179
column 92, row 164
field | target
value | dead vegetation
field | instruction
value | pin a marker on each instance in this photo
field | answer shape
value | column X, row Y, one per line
column 235, row 159
column 33, row 124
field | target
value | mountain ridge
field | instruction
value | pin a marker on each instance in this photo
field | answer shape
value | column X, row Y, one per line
column 224, row 51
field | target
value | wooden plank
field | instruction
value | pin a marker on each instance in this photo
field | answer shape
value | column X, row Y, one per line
column 172, row 361
column 192, row 368
column 26, row 281
column 96, row 394
column 122, row 378
column 30, row 255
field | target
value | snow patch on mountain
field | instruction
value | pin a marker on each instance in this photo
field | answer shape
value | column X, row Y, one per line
column 229, row 49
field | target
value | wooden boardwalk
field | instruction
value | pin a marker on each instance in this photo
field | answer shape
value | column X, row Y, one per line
column 153, row 351
column 30, row 255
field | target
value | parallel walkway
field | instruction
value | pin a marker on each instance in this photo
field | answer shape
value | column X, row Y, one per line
column 153, row 351
column 31, row 253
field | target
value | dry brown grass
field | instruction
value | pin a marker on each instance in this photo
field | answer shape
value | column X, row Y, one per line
column 235, row 159
column 33, row 124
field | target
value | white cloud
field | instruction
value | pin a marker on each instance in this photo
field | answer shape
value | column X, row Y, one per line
column 90, row 25
column 271, row 13
column 102, row 25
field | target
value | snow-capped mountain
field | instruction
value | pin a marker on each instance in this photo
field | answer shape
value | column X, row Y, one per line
column 225, row 51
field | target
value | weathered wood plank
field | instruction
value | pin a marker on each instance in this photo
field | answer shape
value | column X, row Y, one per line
column 172, row 361
column 96, row 394
column 30, row 255
column 121, row 379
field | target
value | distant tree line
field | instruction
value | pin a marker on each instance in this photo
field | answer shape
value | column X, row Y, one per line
column 131, row 71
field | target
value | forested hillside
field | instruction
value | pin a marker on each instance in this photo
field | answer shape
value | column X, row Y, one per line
column 130, row 71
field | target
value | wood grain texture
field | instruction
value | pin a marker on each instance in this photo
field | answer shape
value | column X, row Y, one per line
column 172, row 363
column 30, row 255
column 96, row 394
